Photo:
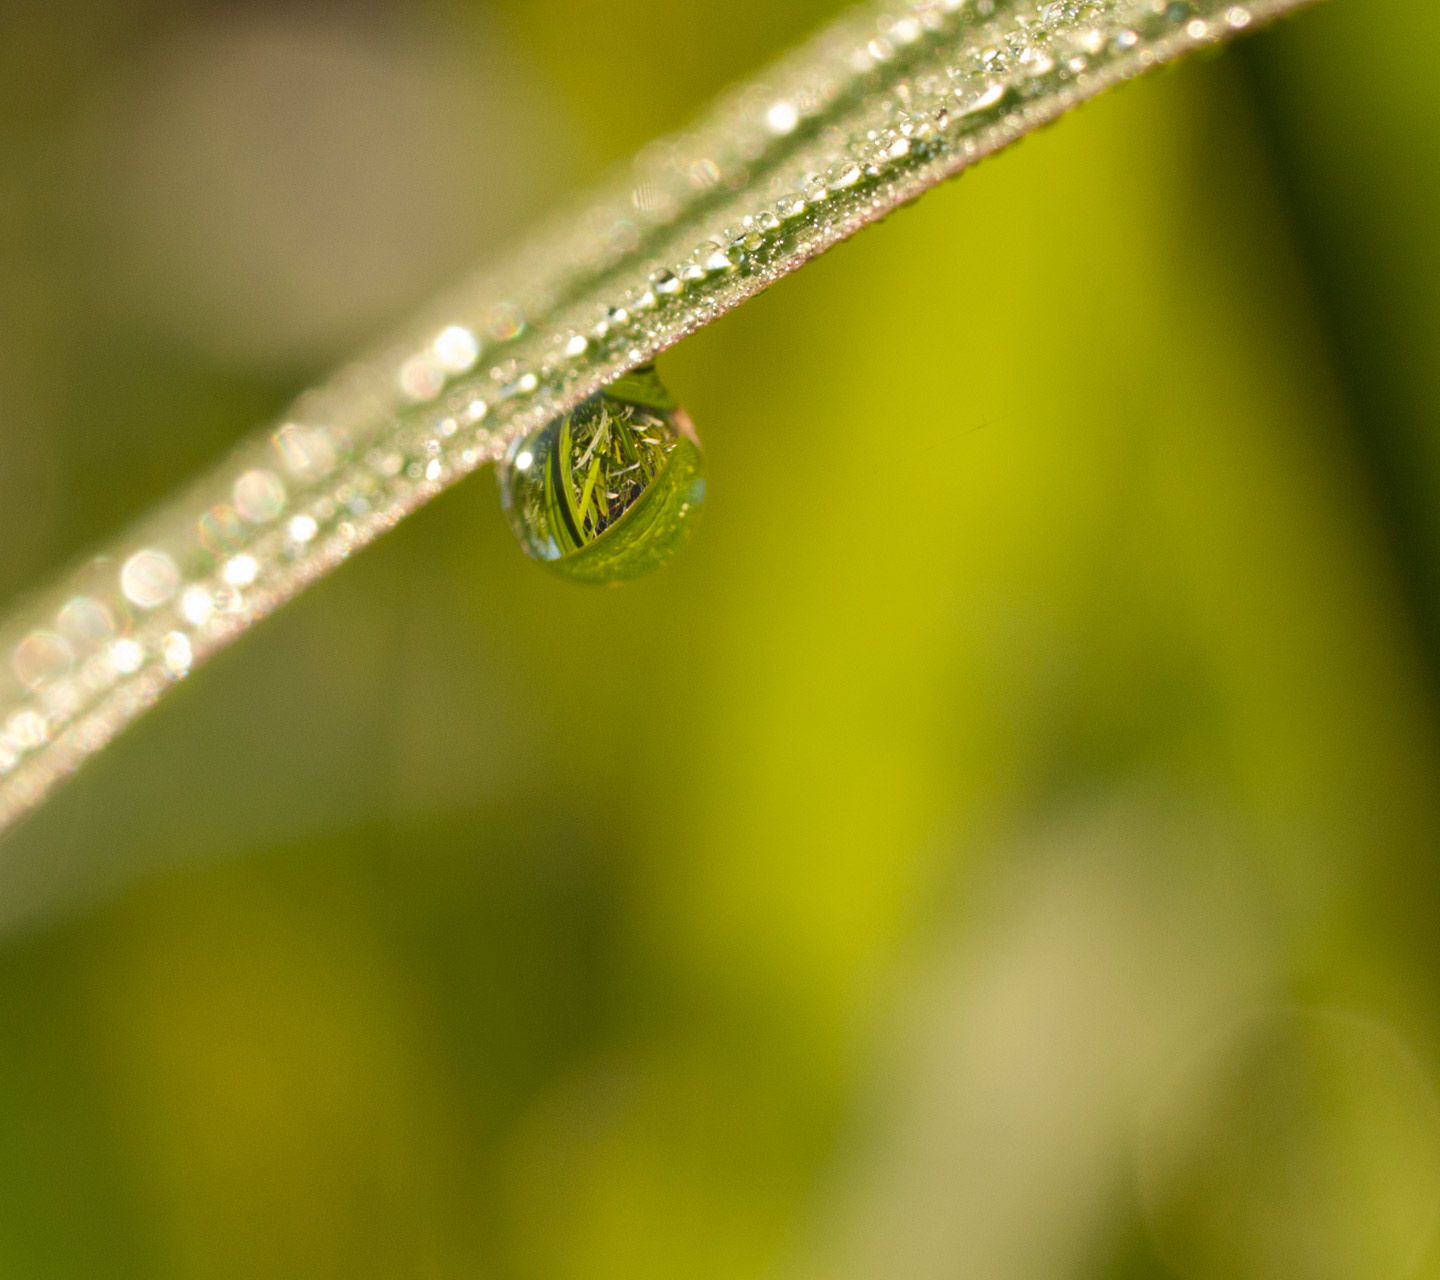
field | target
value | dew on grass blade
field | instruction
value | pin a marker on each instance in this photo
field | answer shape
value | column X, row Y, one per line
column 889, row 100
column 608, row 491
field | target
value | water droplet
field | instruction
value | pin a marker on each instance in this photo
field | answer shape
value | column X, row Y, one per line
column 86, row 622
column 41, row 658
column 387, row 464
column 177, row 653
column 149, row 579
column 127, row 657
column 26, row 729
column 992, row 94
column 305, row 452
column 608, row 491
column 504, row 322
column 197, row 606
column 704, row 174
column 782, row 118
column 648, row 198
column 220, row 529
column 259, row 496
column 421, row 377
column 522, row 386
column 456, row 349
column 906, row 31
column 240, row 571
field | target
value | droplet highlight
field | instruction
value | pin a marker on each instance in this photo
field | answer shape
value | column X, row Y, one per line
column 609, row 491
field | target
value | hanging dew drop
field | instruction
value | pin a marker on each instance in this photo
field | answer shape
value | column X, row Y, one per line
column 609, row 490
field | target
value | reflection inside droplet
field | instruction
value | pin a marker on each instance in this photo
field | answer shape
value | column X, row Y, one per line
column 608, row 491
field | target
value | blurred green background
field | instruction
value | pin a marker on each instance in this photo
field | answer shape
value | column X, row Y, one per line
column 1004, row 845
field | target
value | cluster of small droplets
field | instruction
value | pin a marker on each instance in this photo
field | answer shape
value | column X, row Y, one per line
column 879, row 108
column 876, row 109
column 131, row 623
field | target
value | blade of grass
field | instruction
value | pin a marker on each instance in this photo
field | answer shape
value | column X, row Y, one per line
column 875, row 109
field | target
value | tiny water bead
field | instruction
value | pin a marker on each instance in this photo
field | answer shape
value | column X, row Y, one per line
column 149, row 579
column 608, row 491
